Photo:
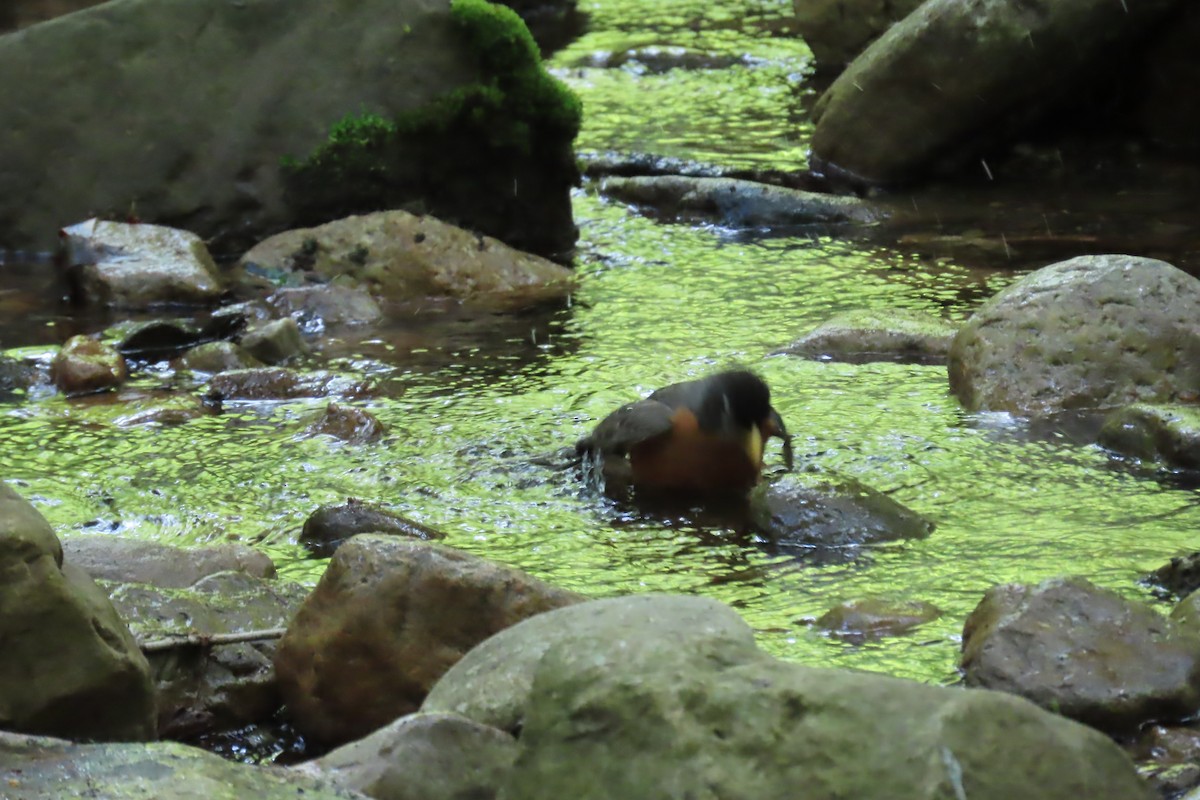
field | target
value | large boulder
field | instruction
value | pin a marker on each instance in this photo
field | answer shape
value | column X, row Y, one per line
column 956, row 75
column 1084, row 652
column 40, row 768
column 648, row 698
column 68, row 665
column 185, row 112
column 387, row 619
column 1092, row 332
column 402, row 256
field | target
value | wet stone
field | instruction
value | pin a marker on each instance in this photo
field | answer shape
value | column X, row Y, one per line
column 85, row 365
column 1167, row 433
column 351, row 425
column 276, row 341
column 875, row 618
column 329, row 526
column 279, row 383
column 865, row 335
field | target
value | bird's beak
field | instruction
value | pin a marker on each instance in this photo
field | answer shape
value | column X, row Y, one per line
column 774, row 427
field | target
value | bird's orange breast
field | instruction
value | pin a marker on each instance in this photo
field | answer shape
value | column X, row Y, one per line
column 690, row 459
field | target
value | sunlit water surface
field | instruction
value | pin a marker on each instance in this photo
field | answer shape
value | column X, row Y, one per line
column 467, row 411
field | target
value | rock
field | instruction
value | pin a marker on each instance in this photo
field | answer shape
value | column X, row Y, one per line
column 1187, row 612
column 23, row 13
column 1091, row 332
column 422, row 757
column 50, row 769
column 162, row 340
column 136, row 266
column 206, row 689
column 656, row 697
column 276, row 341
column 805, row 513
column 316, row 307
column 1168, row 114
column 219, row 357
column 492, row 683
column 838, row 30
column 17, row 377
column 401, row 256
column 479, row 131
column 162, row 410
column 1084, row 652
column 388, row 618
column 740, row 203
column 953, row 78
column 875, row 618
column 278, row 383
column 351, row 425
column 1180, row 576
column 134, row 561
column 69, row 666
column 908, row 337
column 84, row 365
column 1168, row 433
column 329, row 526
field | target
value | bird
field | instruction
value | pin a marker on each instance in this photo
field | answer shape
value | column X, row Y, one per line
column 699, row 437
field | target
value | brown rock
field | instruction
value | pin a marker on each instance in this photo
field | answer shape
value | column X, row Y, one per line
column 84, row 365
column 279, row 383
column 388, row 618
column 352, row 425
column 876, row 617
column 1084, row 652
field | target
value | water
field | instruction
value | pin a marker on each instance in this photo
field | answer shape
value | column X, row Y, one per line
column 470, row 401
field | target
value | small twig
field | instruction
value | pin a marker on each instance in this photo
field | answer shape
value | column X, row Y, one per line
column 208, row 639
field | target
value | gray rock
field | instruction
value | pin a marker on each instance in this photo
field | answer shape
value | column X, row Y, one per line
column 492, row 683
column 1180, row 576
column 401, row 256
column 216, row 357
column 1168, row 433
column 824, row 514
column 276, row 341
column 423, row 757
column 69, row 666
column 838, row 30
column 953, row 77
column 141, row 127
column 137, row 266
column 1091, row 332
column 206, row 689
column 732, row 201
column 329, row 526
column 402, row 613
column 1084, row 652
column 134, row 561
column 909, row 337
column 40, row 768
column 660, row 697
column 316, row 307
column 84, row 366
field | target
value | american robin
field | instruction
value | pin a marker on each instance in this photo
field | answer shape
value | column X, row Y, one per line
column 704, row 436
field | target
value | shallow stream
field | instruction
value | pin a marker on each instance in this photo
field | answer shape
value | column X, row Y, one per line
column 469, row 403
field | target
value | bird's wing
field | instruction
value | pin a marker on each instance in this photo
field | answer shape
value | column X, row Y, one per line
column 629, row 425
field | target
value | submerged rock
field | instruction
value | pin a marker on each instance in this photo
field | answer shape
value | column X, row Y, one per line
column 85, row 365
column 423, row 757
column 1092, row 332
column 1084, row 652
column 279, row 383
column 818, row 514
column 731, row 201
column 908, row 337
column 402, row 256
column 388, row 618
column 954, row 77
column 138, row 266
column 38, row 768
column 875, row 618
column 351, row 425
column 68, row 665
column 1168, row 433
column 329, row 526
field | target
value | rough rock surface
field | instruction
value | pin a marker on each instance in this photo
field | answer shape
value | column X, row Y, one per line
column 909, row 337
column 316, row 307
column 837, row 30
column 956, row 75
column 423, row 757
column 1084, row 652
column 1091, row 332
column 139, row 133
column 402, row 613
column 1168, row 433
column 401, row 256
column 68, row 665
column 39, row 768
column 132, row 561
column 138, row 266
column 824, row 514
column 276, row 341
column 85, row 365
